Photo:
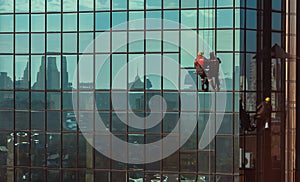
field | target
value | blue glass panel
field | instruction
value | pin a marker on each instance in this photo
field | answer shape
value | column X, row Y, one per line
column 6, row 23
column 6, row 43
column 189, row 4
column 86, row 41
column 136, row 42
column 137, row 4
column 171, row 4
column 21, row 72
column 53, row 22
column 206, row 4
column 251, row 4
column 224, row 40
column 22, row 23
column 69, row 76
column 102, row 21
column 276, row 21
column 226, row 71
column 154, row 4
column 86, row 5
column 70, row 22
column 38, row 6
column 119, row 42
column 207, row 18
column 276, row 4
column 136, row 20
column 171, row 41
column 276, row 38
column 37, row 43
column 86, row 21
column 53, row 77
column 119, row 71
column 153, row 43
column 53, row 42
column 119, row 18
column 69, row 6
column 54, row 6
column 225, row 3
column 6, row 72
column 153, row 71
column 38, row 22
column 116, row 4
column 102, row 74
column 251, row 41
column 69, row 42
column 224, row 18
column 173, row 16
column 53, row 100
column 102, row 4
column 153, row 24
column 7, row 6
column 103, row 42
column 189, row 18
column 251, row 19
column 22, row 6
column 22, row 43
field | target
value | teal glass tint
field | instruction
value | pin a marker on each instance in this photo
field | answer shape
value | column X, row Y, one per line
column 276, row 21
column 53, row 42
column 276, row 38
column 207, row 3
column 86, row 73
column 53, row 68
column 53, row 100
column 86, row 21
column 189, row 4
column 7, row 43
column 251, row 40
column 119, row 20
column 22, row 43
column 136, row 72
column 225, row 3
column 171, row 4
column 224, row 18
column 22, row 6
column 102, row 42
column 153, row 71
column 102, row 21
column 102, row 4
column 150, row 22
column 38, row 22
column 136, row 20
column 251, row 4
column 119, row 71
column 22, row 72
column 102, row 71
column 53, row 22
column 54, row 6
column 153, row 41
column 226, row 71
column 86, row 42
column 251, row 19
column 173, row 17
column 171, row 41
column 154, row 4
column 119, row 5
column 6, row 23
column 119, row 42
column 136, row 42
column 170, row 76
column 22, row 23
column 69, row 44
column 7, row 6
column 37, row 43
column 276, row 4
column 69, row 6
column 189, row 18
column 224, row 154
column 68, row 73
column 86, row 5
column 224, row 40
column 206, row 18
column 6, row 71
column 38, row 6
column 137, row 4
column 70, row 22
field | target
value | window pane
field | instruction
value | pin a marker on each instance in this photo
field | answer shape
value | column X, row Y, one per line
column 136, row 20
column 7, row 6
column 119, row 41
column 38, row 43
column 189, row 4
column 102, row 21
column 102, row 4
column 22, row 6
column 119, row 5
column 86, row 41
column 69, row 42
column 207, row 18
column 86, row 5
column 136, row 42
column 119, row 71
column 276, row 21
column 69, row 6
column 6, row 23
column 153, row 41
column 154, row 4
column 6, row 72
column 54, row 6
column 53, row 42
column 251, row 21
column 53, row 22
column 21, row 72
column 153, row 24
column 251, row 41
column 52, row 72
column 86, row 21
column 117, row 19
column 38, row 6
column 22, row 43
column 225, row 3
column 224, row 18
column 102, row 74
column 153, row 71
column 171, row 3
column 224, row 154
column 37, row 22
column 173, row 16
column 189, row 18
column 7, row 43
column 22, row 23
column 224, row 40
column 70, row 22
column 137, row 4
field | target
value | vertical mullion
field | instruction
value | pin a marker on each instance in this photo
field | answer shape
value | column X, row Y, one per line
column 29, row 91
column 45, row 94
column 111, row 84
column 14, row 88
column 179, row 119
column 78, row 89
column 61, row 88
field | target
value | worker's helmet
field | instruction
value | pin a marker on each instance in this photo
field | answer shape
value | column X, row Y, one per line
column 200, row 53
column 267, row 99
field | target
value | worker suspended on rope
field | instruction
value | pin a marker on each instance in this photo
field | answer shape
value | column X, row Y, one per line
column 199, row 64
column 213, row 71
column 263, row 112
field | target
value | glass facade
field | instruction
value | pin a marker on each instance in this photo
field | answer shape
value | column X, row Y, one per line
column 65, row 64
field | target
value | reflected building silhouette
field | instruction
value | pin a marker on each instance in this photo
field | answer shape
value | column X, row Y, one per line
column 5, row 81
